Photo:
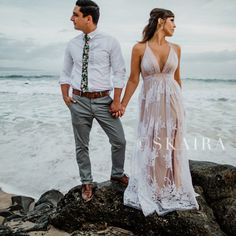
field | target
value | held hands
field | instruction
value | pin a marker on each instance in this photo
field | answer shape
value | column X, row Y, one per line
column 117, row 109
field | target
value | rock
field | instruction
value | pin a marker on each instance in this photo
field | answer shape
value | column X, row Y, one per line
column 219, row 185
column 225, row 212
column 5, row 213
column 21, row 202
column 2, row 219
column 52, row 197
column 5, row 231
column 101, row 229
column 214, row 182
column 107, row 207
column 105, row 214
column 44, row 207
column 218, row 181
column 20, row 227
column 20, row 219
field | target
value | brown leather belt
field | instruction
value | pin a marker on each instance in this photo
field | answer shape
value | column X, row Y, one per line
column 91, row 94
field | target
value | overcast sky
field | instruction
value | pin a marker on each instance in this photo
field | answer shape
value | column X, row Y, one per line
column 33, row 34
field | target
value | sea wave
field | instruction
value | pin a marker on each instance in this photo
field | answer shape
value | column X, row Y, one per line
column 27, row 76
column 221, row 99
column 211, row 80
column 54, row 76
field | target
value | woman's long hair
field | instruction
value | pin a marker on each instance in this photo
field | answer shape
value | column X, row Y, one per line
column 151, row 27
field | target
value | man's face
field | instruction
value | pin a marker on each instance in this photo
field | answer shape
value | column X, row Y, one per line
column 78, row 19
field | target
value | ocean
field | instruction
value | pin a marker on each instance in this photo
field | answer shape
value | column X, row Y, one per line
column 37, row 150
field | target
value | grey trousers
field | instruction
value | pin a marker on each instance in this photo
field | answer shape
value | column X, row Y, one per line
column 82, row 114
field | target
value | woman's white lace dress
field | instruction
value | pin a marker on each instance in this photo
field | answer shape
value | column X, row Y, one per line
column 160, row 179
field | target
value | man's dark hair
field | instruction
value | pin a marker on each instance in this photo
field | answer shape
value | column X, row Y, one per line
column 88, row 7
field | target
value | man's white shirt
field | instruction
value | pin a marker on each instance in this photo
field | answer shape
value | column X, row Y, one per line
column 106, row 66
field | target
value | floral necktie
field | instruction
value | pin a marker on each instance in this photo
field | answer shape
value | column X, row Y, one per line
column 84, row 80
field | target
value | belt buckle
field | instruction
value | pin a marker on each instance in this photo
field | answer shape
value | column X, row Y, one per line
column 82, row 94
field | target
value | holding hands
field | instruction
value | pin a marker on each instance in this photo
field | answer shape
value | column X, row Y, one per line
column 117, row 109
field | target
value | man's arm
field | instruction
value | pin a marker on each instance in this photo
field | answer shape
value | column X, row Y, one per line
column 65, row 94
column 118, row 68
column 65, row 78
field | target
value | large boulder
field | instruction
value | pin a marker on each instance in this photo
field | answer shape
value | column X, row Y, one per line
column 218, row 181
column 214, row 182
column 219, row 187
column 107, row 208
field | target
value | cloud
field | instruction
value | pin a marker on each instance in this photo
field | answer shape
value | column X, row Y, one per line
column 211, row 57
column 37, row 34
column 28, row 54
column 65, row 31
column 27, row 49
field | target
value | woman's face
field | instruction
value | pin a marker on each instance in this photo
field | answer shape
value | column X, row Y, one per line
column 169, row 26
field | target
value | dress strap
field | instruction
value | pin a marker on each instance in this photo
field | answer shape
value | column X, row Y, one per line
column 173, row 48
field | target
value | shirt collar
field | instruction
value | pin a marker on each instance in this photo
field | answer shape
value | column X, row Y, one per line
column 93, row 33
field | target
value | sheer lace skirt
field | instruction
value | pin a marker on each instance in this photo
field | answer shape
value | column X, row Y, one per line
column 160, row 178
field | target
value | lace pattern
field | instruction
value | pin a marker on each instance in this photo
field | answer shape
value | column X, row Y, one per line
column 160, row 180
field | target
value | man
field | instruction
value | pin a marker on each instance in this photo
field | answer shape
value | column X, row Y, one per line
column 89, row 59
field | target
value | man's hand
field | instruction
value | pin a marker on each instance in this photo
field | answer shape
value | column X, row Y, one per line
column 115, row 108
column 118, row 113
column 68, row 100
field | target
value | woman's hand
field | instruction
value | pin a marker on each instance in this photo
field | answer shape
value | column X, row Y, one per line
column 118, row 113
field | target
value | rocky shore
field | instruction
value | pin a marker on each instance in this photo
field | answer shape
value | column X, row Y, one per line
column 55, row 214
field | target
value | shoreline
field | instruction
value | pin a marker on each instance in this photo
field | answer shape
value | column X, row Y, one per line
column 13, row 191
column 8, row 189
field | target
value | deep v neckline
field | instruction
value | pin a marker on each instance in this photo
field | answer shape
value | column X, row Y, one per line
column 153, row 54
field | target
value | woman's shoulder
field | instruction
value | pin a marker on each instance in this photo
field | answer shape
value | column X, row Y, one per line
column 139, row 48
column 176, row 46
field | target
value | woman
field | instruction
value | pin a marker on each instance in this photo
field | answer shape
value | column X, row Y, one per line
column 160, row 180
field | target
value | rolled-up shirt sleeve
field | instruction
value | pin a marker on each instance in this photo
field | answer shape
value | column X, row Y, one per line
column 65, row 76
column 117, row 65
